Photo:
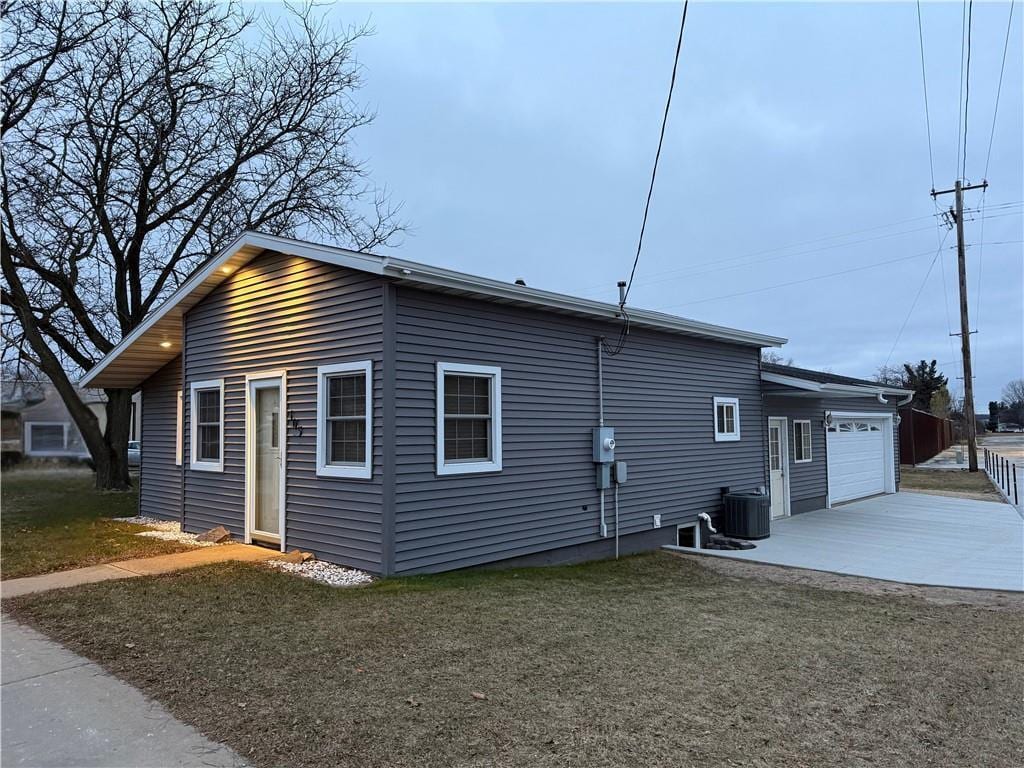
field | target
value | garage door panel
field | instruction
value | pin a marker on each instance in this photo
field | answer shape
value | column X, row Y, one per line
column 856, row 458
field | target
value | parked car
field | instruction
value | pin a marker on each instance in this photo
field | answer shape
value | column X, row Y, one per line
column 134, row 453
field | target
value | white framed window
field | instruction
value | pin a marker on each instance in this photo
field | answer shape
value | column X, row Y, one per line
column 179, row 424
column 344, row 420
column 727, row 419
column 206, row 419
column 801, row 441
column 468, row 418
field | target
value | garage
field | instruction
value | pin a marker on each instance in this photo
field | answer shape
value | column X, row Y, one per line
column 859, row 450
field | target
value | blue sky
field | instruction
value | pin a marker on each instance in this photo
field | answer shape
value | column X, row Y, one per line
column 520, row 139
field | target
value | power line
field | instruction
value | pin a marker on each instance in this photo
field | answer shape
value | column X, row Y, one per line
column 960, row 97
column 999, row 88
column 657, row 155
column 988, row 159
column 748, row 259
column 800, row 282
column 924, row 83
column 967, row 81
column 913, row 304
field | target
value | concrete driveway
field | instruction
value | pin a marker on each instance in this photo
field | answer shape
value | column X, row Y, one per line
column 907, row 537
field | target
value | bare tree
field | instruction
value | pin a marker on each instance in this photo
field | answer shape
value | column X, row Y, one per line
column 139, row 138
column 1013, row 400
column 891, row 375
column 772, row 357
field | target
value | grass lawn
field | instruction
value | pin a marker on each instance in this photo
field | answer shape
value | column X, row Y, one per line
column 53, row 520
column 959, row 481
column 650, row 660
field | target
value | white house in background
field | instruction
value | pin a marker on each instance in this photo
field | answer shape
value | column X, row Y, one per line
column 47, row 429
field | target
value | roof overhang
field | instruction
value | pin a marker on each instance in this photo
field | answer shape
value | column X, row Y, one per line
column 817, row 389
column 158, row 339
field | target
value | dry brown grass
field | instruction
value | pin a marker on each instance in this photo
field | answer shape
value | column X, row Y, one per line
column 955, row 482
column 647, row 661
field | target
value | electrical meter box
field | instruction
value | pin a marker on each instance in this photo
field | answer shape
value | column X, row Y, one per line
column 604, row 444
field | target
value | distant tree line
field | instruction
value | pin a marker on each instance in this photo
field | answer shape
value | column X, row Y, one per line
column 1009, row 410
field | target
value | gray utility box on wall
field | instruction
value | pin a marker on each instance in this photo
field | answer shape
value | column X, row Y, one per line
column 604, row 444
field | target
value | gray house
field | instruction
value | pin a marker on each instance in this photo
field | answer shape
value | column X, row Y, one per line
column 402, row 418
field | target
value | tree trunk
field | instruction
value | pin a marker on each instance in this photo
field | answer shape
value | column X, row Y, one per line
column 112, row 460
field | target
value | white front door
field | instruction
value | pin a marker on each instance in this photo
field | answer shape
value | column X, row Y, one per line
column 264, row 459
column 778, row 466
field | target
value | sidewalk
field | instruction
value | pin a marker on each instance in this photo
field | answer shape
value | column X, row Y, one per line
column 126, row 569
column 60, row 709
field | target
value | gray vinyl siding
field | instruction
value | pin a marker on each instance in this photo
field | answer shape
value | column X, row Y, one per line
column 159, row 476
column 658, row 396
column 808, row 482
column 288, row 313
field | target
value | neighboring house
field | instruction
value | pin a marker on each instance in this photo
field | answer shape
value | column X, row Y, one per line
column 37, row 424
column 403, row 418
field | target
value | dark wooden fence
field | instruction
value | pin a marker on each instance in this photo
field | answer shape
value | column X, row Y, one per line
column 922, row 435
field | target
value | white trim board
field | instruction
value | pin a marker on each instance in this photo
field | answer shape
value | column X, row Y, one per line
column 193, row 463
column 362, row 471
column 468, row 467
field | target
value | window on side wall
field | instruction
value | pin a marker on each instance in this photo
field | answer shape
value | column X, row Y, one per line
column 344, row 420
column 206, row 413
column 801, row 441
column 727, row 419
column 468, row 419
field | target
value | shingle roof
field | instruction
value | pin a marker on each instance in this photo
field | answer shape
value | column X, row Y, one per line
column 819, row 376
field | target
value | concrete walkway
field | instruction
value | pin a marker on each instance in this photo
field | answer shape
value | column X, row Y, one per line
column 60, row 709
column 907, row 537
column 126, row 569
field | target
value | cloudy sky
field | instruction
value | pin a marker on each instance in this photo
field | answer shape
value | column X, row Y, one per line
column 520, row 139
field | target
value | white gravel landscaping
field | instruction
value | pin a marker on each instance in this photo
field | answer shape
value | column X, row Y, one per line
column 325, row 573
column 165, row 530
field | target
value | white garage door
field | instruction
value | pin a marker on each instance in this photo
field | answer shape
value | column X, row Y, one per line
column 856, row 458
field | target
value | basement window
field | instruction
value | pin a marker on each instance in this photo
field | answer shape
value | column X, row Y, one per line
column 468, row 419
column 688, row 536
column 727, row 419
column 801, row 441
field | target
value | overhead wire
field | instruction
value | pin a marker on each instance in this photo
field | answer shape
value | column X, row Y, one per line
column 967, row 83
column 800, row 282
column 624, row 332
column 924, row 83
column 988, row 159
column 917, row 296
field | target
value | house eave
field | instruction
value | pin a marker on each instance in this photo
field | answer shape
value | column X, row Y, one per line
column 158, row 339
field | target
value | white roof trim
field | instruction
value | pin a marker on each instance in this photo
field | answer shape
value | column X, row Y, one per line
column 828, row 388
column 250, row 244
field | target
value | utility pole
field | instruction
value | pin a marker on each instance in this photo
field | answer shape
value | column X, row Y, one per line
column 965, row 328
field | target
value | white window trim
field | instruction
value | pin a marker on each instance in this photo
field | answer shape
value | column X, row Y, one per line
column 797, row 446
column 362, row 471
column 470, row 467
column 30, row 449
column 726, row 437
column 179, row 429
column 204, row 466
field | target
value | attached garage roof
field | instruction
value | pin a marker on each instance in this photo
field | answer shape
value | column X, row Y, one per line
column 802, row 382
column 158, row 339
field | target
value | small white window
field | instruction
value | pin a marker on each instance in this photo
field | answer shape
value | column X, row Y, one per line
column 468, row 419
column 801, row 441
column 206, row 416
column 344, row 419
column 727, row 419
column 179, row 422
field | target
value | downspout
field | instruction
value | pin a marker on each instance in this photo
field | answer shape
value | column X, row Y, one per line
column 600, row 421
